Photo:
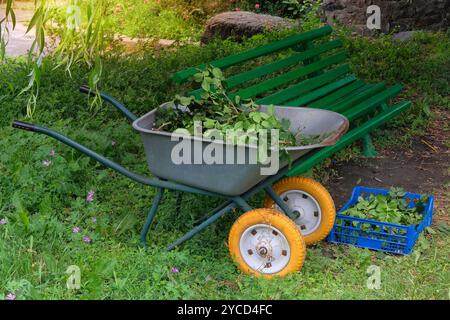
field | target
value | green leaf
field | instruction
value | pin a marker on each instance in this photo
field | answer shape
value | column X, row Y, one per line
column 36, row 16
column 266, row 124
column 217, row 73
column 205, row 85
column 185, row 101
column 256, row 116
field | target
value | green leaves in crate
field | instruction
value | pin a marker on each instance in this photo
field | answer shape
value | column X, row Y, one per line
column 392, row 208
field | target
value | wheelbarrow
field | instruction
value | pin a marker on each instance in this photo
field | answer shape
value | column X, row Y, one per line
column 264, row 242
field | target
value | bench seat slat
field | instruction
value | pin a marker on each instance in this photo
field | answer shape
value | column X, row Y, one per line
column 374, row 101
column 331, row 98
column 357, row 98
column 322, row 91
column 272, row 47
column 289, row 76
column 305, row 86
column 355, row 95
column 317, row 156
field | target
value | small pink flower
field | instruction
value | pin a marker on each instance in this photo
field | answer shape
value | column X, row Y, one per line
column 90, row 196
column 10, row 296
column 94, row 220
column 3, row 221
column 46, row 163
column 76, row 229
column 87, row 239
column 257, row 6
column 237, row 9
column 113, row 142
column 175, row 270
column 52, row 153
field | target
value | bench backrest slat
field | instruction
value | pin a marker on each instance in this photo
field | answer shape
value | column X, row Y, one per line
column 302, row 87
column 290, row 76
column 322, row 91
column 241, row 78
column 272, row 47
column 281, row 64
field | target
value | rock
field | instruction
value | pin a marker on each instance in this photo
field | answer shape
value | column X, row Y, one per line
column 239, row 24
column 403, row 36
column 400, row 15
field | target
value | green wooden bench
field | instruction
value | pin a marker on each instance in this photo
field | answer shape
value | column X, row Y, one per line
column 308, row 70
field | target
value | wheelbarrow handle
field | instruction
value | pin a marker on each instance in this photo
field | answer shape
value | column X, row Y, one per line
column 24, row 125
column 157, row 183
column 86, row 90
column 119, row 106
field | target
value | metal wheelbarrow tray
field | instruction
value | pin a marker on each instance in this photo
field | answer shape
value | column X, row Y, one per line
column 235, row 183
column 233, row 179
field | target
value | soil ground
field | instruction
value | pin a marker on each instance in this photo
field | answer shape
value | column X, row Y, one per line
column 423, row 167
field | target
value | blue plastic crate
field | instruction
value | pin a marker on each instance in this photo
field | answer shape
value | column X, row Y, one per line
column 375, row 235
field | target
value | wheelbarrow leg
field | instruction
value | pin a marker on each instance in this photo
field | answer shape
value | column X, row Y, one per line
column 209, row 214
column 217, row 213
column 151, row 216
column 220, row 211
column 242, row 203
column 179, row 201
column 280, row 203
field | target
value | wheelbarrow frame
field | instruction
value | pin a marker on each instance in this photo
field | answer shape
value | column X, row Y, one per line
column 231, row 202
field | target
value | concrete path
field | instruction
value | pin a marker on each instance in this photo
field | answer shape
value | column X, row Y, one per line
column 19, row 42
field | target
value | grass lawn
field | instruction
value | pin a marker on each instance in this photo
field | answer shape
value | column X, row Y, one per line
column 43, row 195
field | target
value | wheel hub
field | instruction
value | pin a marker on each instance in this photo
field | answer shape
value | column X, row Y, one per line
column 305, row 208
column 264, row 248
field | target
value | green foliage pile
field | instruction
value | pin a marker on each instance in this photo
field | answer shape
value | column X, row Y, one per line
column 218, row 113
column 392, row 208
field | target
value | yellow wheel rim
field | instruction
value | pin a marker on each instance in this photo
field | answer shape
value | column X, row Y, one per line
column 265, row 242
column 311, row 203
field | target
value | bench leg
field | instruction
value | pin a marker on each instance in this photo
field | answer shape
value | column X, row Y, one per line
column 368, row 147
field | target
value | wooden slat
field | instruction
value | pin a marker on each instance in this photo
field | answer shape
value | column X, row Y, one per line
column 320, row 92
column 281, row 64
column 305, row 86
column 374, row 101
column 272, row 47
column 275, row 82
column 266, row 69
column 324, row 102
column 316, row 157
column 357, row 98
column 352, row 94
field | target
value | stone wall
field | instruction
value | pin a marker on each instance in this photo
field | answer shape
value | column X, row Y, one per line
column 398, row 15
